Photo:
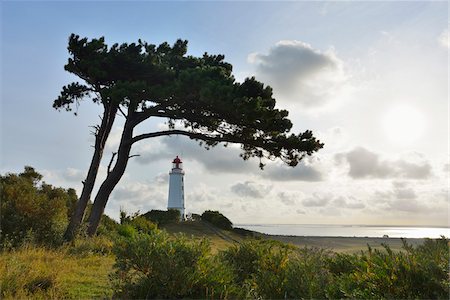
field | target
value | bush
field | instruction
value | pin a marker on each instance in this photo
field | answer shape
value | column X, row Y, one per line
column 308, row 275
column 259, row 266
column 420, row 273
column 162, row 217
column 108, row 227
column 217, row 219
column 31, row 210
column 155, row 266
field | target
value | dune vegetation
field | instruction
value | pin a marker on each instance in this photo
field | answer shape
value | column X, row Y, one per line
column 145, row 256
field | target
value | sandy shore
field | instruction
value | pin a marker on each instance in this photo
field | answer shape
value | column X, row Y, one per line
column 342, row 244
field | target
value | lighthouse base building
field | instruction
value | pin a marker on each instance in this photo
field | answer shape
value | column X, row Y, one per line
column 176, row 188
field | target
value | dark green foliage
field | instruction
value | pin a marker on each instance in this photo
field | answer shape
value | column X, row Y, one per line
column 32, row 210
column 154, row 266
column 162, row 217
column 217, row 219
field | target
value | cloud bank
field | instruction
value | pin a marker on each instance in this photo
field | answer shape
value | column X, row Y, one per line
column 299, row 73
column 366, row 164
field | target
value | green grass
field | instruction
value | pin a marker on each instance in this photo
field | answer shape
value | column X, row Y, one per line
column 54, row 274
column 220, row 239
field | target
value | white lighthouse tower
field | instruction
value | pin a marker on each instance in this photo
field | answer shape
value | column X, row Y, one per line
column 176, row 187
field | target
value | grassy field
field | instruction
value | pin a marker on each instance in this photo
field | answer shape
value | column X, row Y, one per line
column 54, row 274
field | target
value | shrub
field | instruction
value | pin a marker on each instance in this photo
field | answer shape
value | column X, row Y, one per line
column 31, row 210
column 420, row 273
column 307, row 274
column 259, row 266
column 107, row 227
column 162, row 217
column 155, row 266
column 217, row 219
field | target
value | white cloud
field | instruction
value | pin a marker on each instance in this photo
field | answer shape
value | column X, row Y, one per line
column 366, row 164
column 342, row 202
column 289, row 198
column 73, row 175
column 144, row 196
column 299, row 73
column 162, row 178
column 407, row 205
column 304, row 171
column 250, row 189
column 317, row 200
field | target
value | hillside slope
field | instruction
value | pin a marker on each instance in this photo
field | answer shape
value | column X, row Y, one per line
column 220, row 239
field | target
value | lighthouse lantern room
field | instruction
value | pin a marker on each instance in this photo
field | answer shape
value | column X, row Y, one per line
column 176, row 187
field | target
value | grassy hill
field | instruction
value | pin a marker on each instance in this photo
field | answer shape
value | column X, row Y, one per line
column 220, row 239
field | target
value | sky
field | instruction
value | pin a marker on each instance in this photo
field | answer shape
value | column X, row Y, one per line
column 370, row 79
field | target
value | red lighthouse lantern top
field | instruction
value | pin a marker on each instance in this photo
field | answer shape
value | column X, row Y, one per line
column 177, row 163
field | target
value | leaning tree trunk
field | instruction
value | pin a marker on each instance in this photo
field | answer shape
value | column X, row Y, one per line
column 123, row 154
column 101, row 136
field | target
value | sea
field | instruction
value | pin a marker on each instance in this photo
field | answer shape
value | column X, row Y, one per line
column 348, row 230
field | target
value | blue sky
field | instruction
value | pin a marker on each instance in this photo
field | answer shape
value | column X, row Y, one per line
column 378, row 99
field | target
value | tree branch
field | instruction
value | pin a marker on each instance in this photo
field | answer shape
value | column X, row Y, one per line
column 192, row 135
column 134, row 155
column 96, row 130
column 123, row 113
column 111, row 161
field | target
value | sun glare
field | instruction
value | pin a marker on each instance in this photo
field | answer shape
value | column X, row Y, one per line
column 403, row 124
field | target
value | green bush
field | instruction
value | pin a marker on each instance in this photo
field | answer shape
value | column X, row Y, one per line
column 414, row 273
column 153, row 265
column 108, row 227
column 307, row 274
column 31, row 210
column 259, row 266
column 217, row 219
column 162, row 217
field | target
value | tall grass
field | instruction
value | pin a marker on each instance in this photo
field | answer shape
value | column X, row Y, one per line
column 42, row 273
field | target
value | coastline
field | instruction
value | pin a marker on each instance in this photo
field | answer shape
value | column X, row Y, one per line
column 343, row 244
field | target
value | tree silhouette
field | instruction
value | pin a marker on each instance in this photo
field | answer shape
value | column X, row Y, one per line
column 198, row 93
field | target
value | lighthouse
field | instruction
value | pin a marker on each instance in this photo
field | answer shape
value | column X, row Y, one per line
column 176, row 187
